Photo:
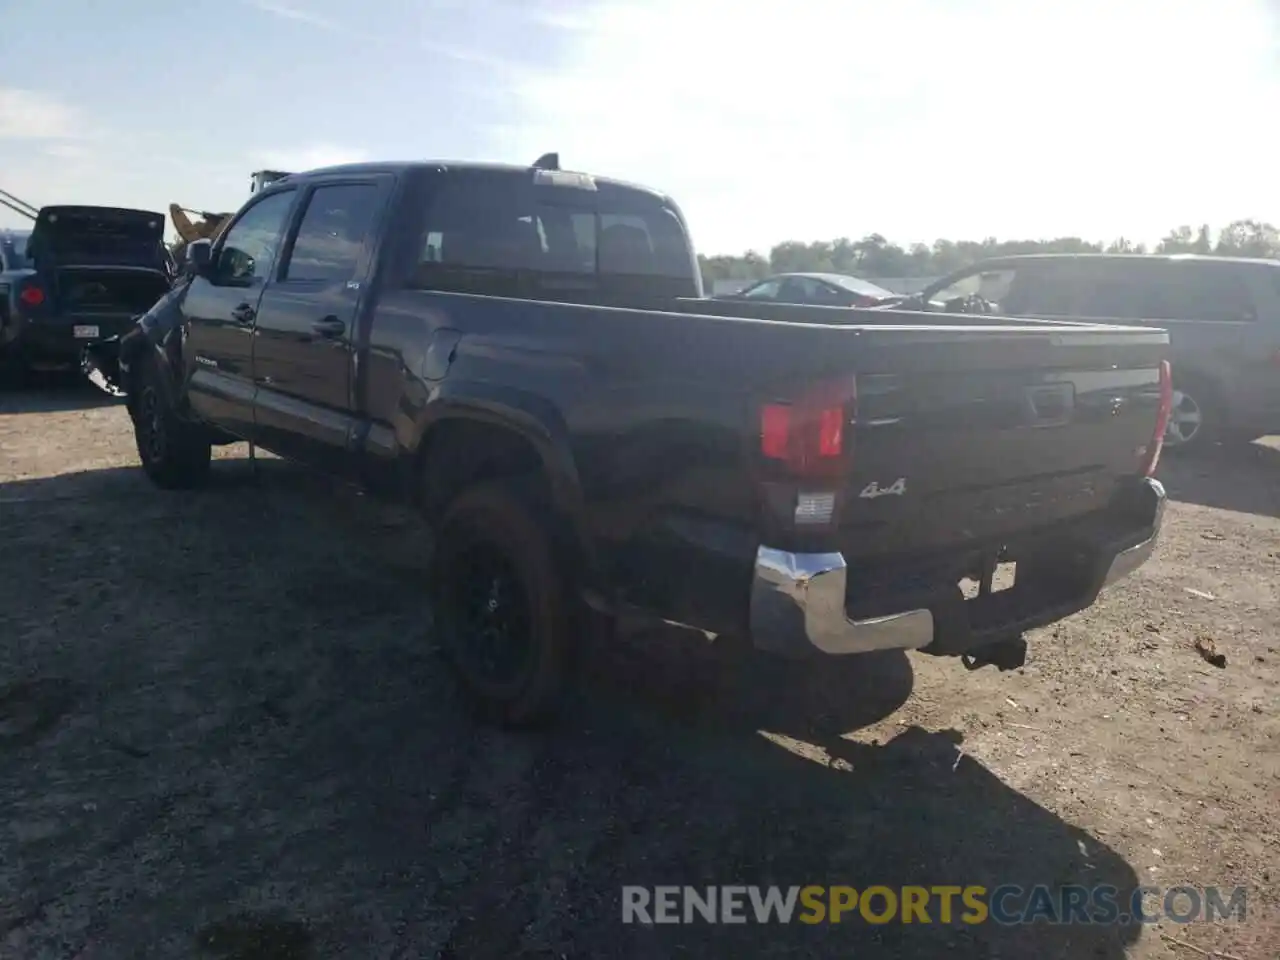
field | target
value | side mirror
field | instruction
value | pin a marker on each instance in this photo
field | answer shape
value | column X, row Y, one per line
column 198, row 259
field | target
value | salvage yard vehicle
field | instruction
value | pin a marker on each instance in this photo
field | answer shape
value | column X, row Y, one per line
column 1222, row 314
column 88, row 272
column 13, row 249
column 526, row 354
column 819, row 289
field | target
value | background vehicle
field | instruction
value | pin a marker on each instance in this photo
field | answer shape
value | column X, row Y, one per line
column 89, row 272
column 470, row 337
column 13, row 246
column 818, row 289
column 1222, row 314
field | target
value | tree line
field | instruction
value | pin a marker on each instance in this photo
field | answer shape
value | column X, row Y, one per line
column 874, row 256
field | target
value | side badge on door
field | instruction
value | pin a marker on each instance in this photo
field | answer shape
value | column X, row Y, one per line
column 873, row 489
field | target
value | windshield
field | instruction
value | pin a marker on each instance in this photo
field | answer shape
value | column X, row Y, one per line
column 490, row 230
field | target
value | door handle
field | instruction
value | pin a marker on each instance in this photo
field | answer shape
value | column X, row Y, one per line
column 243, row 313
column 329, row 327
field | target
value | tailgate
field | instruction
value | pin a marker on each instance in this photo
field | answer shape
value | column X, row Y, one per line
column 975, row 436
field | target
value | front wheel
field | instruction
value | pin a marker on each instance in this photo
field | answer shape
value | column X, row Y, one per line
column 503, row 603
column 1196, row 420
column 174, row 454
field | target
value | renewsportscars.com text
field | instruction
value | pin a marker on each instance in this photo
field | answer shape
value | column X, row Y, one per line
column 1006, row 905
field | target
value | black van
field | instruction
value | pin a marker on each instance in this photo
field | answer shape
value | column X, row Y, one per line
column 1222, row 314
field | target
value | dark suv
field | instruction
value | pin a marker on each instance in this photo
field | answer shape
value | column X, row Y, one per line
column 1222, row 314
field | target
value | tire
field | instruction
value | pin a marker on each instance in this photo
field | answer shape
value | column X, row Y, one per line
column 175, row 454
column 13, row 370
column 505, row 610
column 1198, row 419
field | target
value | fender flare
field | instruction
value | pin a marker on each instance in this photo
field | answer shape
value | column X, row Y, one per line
column 156, row 335
column 534, row 419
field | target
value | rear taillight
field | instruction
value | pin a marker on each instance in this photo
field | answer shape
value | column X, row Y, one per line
column 1151, row 456
column 809, row 434
column 31, row 296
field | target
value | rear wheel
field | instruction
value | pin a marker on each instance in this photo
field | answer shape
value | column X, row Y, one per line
column 13, row 369
column 1196, row 418
column 504, row 607
column 175, row 454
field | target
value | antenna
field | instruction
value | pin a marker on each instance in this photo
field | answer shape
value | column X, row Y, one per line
column 18, row 205
column 548, row 161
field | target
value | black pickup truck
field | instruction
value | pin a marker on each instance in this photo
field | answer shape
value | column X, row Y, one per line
column 527, row 354
column 85, row 275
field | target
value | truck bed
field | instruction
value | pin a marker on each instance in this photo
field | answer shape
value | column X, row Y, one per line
column 992, row 426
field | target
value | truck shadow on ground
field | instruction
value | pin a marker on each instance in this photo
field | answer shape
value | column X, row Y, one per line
column 1244, row 477
column 290, row 772
column 53, row 393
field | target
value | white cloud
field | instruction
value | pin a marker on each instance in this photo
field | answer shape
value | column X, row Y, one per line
column 920, row 118
column 429, row 41
column 68, row 150
column 31, row 115
column 290, row 11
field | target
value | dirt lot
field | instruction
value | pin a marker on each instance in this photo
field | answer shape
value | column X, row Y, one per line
column 224, row 733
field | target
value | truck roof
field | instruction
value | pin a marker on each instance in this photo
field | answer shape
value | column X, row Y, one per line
column 406, row 166
column 1212, row 258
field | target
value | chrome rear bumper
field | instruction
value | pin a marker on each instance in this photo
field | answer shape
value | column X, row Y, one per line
column 1130, row 559
column 798, row 599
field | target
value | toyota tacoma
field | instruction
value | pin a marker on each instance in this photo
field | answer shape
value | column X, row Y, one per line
column 526, row 353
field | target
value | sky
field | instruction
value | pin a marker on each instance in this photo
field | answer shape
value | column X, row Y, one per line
column 766, row 121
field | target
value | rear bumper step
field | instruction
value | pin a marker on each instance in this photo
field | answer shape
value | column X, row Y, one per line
column 61, row 340
column 799, row 600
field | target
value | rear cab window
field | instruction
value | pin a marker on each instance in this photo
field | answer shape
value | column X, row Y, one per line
column 502, row 233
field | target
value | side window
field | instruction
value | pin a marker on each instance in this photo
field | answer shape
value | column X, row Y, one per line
column 807, row 290
column 822, row 293
column 250, row 246
column 1112, row 291
column 431, row 247
column 332, row 233
column 1203, row 290
column 1043, row 291
column 764, row 291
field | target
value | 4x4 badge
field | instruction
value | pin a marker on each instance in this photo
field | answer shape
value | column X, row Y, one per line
column 873, row 489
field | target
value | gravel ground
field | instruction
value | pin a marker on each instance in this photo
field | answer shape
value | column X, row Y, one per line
column 224, row 733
